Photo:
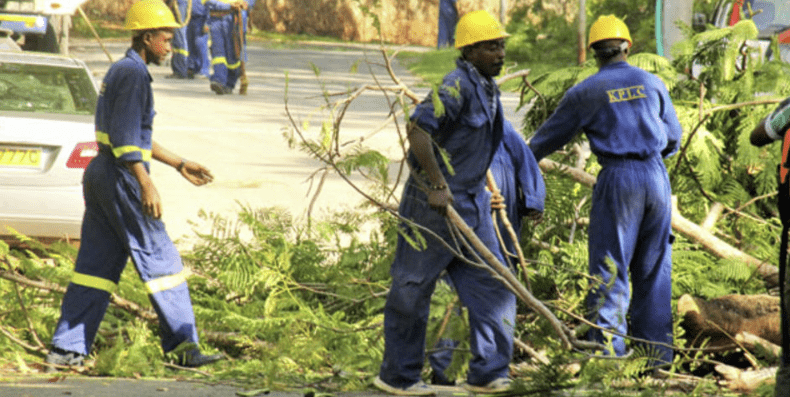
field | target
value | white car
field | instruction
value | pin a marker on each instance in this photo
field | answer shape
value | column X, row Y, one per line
column 47, row 139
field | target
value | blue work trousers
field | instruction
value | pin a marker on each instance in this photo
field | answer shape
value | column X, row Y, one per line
column 114, row 229
column 491, row 306
column 197, row 43
column 179, row 59
column 630, row 229
column 224, row 62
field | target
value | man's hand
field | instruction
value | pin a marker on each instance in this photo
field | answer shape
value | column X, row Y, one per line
column 439, row 199
column 195, row 173
column 152, row 203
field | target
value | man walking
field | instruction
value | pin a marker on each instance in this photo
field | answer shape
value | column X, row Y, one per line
column 469, row 130
column 123, row 208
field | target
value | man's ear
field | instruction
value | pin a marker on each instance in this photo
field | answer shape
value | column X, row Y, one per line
column 147, row 38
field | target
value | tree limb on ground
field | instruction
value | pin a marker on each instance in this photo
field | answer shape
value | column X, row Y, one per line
column 744, row 381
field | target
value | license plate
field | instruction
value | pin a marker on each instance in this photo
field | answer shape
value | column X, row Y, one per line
column 20, row 156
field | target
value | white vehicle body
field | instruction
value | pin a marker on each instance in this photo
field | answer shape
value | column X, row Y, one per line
column 47, row 138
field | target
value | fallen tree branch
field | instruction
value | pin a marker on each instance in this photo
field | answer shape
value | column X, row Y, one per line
column 566, row 336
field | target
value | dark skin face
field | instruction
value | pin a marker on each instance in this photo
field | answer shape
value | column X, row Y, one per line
column 157, row 46
column 487, row 56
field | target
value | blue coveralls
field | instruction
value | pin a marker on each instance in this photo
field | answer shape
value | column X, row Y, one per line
column 631, row 124
column 448, row 18
column 223, row 32
column 470, row 131
column 114, row 226
column 520, row 182
column 197, row 40
column 179, row 59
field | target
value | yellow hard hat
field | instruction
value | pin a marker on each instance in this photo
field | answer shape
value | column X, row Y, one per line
column 150, row 14
column 477, row 26
column 608, row 27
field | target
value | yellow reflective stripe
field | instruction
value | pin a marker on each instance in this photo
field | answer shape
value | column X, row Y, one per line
column 102, row 137
column 182, row 51
column 120, row 151
column 166, row 282
column 93, row 282
column 224, row 61
column 27, row 20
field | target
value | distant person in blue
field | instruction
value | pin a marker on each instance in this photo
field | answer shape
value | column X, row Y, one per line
column 631, row 124
column 179, row 58
column 448, row 18
column 469, row 131
column 123, row 209
column 224, row 32
column 523, row 193
column 197, row 41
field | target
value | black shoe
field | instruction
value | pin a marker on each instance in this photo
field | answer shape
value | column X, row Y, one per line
column 218, row 88
column 227, row 90
column 194, row 358
column 64, row 358
column 190, row 74
column 441, row 380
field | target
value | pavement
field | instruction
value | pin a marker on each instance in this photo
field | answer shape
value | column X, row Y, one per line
column 59, row 385
column 240, row 138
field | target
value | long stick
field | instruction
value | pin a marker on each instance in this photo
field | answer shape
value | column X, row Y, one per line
column 511, row 282
column 96, row 35
column 240, row 52
column 502, row 212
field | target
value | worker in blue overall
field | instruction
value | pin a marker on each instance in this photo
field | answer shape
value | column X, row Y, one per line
column 448, row 18
column 522, row 192
column 197, row 41
column 123, row 208
column 223, row 30
column 179, row 59
column 774, row 128
column 631, row 124
column 469, row 131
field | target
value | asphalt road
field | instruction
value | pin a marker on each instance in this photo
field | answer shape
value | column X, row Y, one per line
column 240, row 138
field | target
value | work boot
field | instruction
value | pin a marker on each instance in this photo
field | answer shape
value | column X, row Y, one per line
column 188, row 355
column 60, row 357
column 218, row 88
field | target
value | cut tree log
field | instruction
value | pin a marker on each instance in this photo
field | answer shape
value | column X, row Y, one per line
column 731, row 321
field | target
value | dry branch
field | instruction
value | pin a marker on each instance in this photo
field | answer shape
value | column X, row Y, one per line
column 744, row 381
